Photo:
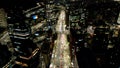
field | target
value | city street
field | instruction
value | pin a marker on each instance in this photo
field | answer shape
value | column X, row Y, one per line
column 61, row 57
column 61, row 51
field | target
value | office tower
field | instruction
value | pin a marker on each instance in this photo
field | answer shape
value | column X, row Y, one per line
column 3, row 21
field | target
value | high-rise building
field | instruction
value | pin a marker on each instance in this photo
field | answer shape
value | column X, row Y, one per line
column 3, row 21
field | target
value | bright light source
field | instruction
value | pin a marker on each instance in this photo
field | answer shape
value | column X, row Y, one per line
column 35, row 16
column 36, row 34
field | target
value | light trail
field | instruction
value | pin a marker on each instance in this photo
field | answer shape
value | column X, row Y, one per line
column 61, row 52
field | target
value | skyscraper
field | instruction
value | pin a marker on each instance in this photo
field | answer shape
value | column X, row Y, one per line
column 3, row 22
